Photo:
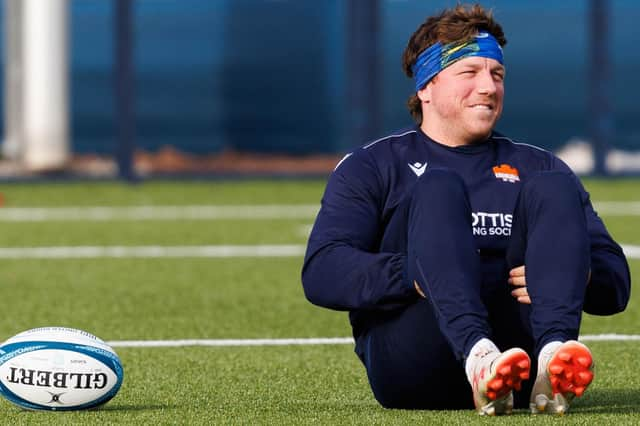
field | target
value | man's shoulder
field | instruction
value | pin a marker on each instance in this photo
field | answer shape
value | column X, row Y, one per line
column 379, row 153
column 400, row 136
column 379, row 149
column 511, row 144
column 534, row 157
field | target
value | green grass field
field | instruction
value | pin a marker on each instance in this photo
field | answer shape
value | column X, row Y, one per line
column 238, row 298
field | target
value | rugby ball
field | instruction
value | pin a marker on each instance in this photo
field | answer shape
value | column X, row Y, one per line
column 58, row 369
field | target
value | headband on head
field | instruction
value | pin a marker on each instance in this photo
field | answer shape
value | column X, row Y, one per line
column 438, row 56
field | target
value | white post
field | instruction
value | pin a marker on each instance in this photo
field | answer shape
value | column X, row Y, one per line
column 45, row 85
column 11, row 147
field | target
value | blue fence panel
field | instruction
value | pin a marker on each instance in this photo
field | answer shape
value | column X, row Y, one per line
column 270, row 75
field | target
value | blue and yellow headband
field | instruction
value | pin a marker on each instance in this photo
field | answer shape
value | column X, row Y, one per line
column 437, row 57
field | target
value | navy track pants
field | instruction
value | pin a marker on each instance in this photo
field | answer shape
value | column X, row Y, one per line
column 414, row 356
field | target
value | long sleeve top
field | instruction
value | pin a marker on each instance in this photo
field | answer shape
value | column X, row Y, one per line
column 356, row 254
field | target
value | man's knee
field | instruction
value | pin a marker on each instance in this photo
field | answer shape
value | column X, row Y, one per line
column 552, row 187
column 443, row 185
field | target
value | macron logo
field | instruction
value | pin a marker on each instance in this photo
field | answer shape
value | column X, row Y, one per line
column 418, row 168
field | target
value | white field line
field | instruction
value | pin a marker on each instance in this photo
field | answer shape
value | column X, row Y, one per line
column 304, row 342
column 212, row 251
column 230, row 342
column 632, row 252
column 617, row 208
column 215, row 212
column 92, row 252
column 199, row 212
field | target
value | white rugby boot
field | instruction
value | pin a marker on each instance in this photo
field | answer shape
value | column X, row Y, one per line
column 493, row 377
column 564, row 372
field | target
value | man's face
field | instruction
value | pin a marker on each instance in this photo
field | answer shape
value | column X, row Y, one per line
column 464, row 101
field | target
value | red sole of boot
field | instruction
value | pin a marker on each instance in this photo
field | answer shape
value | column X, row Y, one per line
column 510, row 373
column 570, row 370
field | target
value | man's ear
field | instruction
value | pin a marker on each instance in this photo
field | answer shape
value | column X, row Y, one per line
column 425, row 94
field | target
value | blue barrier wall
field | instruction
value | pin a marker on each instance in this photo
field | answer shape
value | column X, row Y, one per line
column 269, row 75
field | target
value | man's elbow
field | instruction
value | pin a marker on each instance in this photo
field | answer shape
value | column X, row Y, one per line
column 310, row 291
column 318, row 292
column 312, row 287
column 607, row 300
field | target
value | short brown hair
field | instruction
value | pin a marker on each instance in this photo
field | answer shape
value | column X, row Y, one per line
column 458, row 24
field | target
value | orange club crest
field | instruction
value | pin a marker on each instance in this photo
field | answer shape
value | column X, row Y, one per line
column 506, row 173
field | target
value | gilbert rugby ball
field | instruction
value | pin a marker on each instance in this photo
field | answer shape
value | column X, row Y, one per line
column 58, row 369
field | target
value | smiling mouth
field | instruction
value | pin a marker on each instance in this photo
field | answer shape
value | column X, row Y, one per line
column 483, row 107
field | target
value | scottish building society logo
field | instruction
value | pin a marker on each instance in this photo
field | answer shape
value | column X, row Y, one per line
column 491, row 223
column 506, row 173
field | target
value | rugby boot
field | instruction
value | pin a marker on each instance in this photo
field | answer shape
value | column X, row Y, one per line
column 563, row 375
column 495, row 376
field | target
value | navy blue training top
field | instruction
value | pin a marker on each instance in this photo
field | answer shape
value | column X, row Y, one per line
column 356, row 255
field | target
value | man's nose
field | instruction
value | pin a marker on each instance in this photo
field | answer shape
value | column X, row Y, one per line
column 486, row 83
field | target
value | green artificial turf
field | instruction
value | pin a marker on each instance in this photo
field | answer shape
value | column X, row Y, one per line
column 308, row 385
column 240, row 298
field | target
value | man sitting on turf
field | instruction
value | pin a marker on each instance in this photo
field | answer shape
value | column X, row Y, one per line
column 424, row 236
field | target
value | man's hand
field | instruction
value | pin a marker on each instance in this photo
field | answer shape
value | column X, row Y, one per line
column 518, row 280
